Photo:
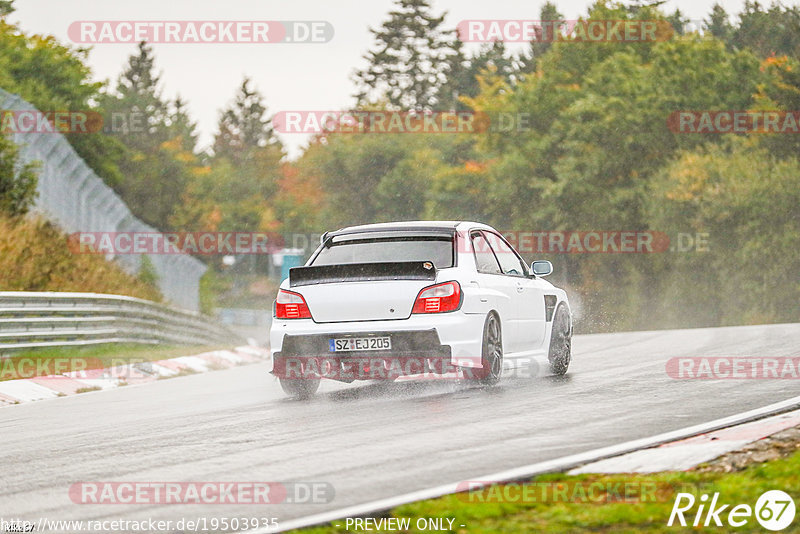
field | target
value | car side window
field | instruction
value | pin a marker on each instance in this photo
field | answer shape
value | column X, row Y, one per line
column 509, row 261
column 485, row 261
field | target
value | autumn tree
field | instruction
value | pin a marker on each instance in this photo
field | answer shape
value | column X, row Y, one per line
column 410, row 59
column 158, row 137
column 235, row 191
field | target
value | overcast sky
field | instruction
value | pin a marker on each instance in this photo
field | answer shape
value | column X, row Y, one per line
column 290, row 76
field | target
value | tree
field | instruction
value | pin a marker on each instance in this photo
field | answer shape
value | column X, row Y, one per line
column 159, row 141
column 460, row 78
column 17, row 182
column 772, row 32
column 247, row 141
column 718, row 23
column 678, row 21
column 781, row 92
column 51, row 77
column 410, row 60
column 180, row 125
column 594, row 137
column 595, row 153
column 138, row 102
column 6, row 7
column 235, row 191
column 491, row 59
column 549, row 15
column 748, row 202
column 243, row 126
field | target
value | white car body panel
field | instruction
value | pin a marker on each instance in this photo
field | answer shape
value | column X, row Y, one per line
column 362, row 301
column 353, row 307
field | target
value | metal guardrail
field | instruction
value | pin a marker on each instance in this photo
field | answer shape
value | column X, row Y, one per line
column 31, row 320
column 245, row 317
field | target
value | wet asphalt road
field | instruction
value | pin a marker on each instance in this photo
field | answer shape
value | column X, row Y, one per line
column 369, row 441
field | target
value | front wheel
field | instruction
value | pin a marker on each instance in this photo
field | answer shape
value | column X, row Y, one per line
column 560, row 353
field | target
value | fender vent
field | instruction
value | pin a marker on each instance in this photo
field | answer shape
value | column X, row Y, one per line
column 549, row 306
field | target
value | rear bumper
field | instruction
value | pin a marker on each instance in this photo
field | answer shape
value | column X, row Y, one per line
column 412, row 352
column 456, row 335
column 418, row 343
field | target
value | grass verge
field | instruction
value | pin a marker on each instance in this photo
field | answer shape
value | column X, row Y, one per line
column 482, row 512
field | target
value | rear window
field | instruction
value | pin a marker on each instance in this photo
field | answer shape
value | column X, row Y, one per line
column 344, row 249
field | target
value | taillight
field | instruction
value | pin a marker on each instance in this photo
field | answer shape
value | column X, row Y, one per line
column 439, row 298
column 290, row 305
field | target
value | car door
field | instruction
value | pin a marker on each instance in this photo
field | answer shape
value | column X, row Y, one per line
column 529, row 294
column 490, row 276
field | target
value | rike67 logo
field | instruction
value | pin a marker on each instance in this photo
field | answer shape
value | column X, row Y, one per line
column 774, row 510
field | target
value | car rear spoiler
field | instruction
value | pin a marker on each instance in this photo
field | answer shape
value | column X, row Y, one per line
column 361, row 272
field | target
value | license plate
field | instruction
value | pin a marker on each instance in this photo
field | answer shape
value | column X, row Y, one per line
column 359, row 343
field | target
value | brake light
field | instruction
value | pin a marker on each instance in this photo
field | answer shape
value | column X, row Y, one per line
column 439, row 298
column 290, row 305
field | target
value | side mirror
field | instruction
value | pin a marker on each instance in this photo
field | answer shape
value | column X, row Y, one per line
column 541, row 267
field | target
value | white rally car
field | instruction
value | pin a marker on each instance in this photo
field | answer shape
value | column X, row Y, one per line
column 429, row 297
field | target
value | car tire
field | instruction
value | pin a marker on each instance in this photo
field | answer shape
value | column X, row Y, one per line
column 491, row 352
column 300, row 388
column 560, row 353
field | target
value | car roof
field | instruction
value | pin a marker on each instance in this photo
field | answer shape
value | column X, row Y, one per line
column 409, row 225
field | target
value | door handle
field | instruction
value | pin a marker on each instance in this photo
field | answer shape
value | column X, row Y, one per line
column 520, row 287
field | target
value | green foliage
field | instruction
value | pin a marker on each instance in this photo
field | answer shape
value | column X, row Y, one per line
column 243, row 127
column 590, row 149
column 54, row 77
column 147, row 271
column 6, row 7
column 352, row 167
column 138, row 98
column 678, row 21
column 718, row 23
column 236, row 191
column 17, row 182
column 380, row 177
column 211, row 285
column 781, row 91
column 748, row 201
column 767, row 32
column 35, row 256
column 537, row 507
column 410, row 58
column 158, row 138
column 462, row 80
